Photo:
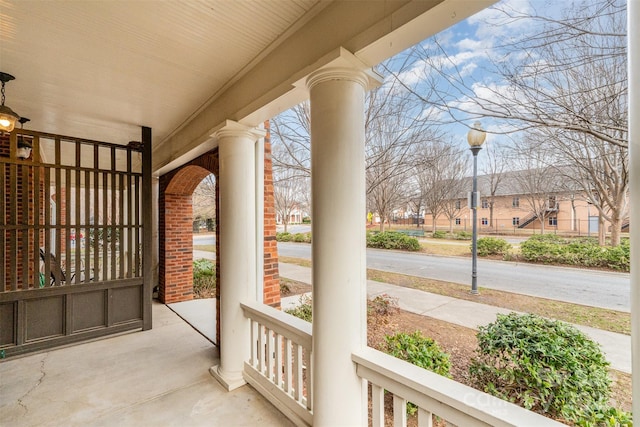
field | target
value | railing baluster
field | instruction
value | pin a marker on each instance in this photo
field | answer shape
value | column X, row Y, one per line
column 270, row 355
column 279, row 364
column 288, row 368
column 425, row 418
column 261, row 348
column 306, row 372
column 297, row 372
column 254, row 343
column 377, row 405
column 399, row 411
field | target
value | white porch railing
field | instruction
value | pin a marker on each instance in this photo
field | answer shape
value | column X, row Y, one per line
column 280, row 363
column 435, row 395
column 280, row 369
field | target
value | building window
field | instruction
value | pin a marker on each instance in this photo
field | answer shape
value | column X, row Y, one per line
column 553, row 220
column 515, row 202
column 484, row 221
column 485, row 203
column 458, row 221
column 515, row 220
column 457, row 204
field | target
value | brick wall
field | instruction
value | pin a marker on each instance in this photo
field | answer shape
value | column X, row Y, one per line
column 271, row 275
column 21, row 199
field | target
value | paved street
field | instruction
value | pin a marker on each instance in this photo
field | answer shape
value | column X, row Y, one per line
column 581, row 286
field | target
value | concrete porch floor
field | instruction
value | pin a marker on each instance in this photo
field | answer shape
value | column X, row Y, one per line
column 153, row 378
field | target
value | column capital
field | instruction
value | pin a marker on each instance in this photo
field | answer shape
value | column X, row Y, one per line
column 338, row 73
column 341, row 65
column 233, row 129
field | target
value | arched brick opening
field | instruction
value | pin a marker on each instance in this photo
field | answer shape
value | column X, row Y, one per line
column 176, row 228
column 176, row 231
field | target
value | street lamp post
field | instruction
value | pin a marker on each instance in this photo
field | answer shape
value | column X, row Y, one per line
column 475, row 138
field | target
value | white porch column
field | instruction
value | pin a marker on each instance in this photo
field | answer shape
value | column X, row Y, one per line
column 237, row 222
column 338, row 248
column 633, row 51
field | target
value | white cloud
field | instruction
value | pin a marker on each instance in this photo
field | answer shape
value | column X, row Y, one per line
column 468, row 69
column 475, row 45
column 417, row 73
column 493, row 23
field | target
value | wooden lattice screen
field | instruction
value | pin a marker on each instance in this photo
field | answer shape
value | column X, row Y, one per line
column 71, row 238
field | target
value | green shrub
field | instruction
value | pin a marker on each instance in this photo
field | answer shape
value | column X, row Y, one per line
column 585, row 252
column 392, row 240
column 419, row 350
column 302, row 237
column 306, row 220
column 204, row 278
column 605, row 417
column 462, row 235
column 544, row 365
column 284, row 237
column 303, row 310
column 492, row 246
column 439, row 234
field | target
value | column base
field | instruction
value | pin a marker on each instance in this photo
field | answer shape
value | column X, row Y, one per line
column 228, row 382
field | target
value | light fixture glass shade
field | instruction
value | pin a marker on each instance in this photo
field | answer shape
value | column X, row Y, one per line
column 24, row 148
column 476, row 135
column 8, row 118
column 23, row 152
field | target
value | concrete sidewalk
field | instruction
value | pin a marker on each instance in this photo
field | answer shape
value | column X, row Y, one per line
column 617, row 347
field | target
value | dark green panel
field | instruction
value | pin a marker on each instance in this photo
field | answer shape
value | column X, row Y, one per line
column 127, row 304
column 89, row 310
column 8, row 324
column 44, row 318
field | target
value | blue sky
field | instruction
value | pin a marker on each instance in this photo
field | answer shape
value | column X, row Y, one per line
column 471, row 46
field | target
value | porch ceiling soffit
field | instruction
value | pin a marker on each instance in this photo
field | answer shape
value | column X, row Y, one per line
column 372, row 31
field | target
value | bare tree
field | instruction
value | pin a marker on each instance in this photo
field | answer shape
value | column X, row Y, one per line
column 288, row 193
column 204, row 199
column 598, row 170
column 395, row 124
column 440, row 176
column 291, row 132
column 493, row 173
column 537, row 180
column 395, row 128
column 452, row 207
column 567, row 79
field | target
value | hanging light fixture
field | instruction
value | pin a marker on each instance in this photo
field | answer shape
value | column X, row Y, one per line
column 24, row 145
column 8, row 117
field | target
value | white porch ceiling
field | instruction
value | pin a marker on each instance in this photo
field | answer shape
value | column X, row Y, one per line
column 101, row 69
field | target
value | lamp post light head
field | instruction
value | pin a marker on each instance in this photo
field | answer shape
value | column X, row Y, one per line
column 476, row 136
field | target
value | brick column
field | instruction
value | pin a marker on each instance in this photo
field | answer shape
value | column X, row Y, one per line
column 271, row 274
column 176, row 277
